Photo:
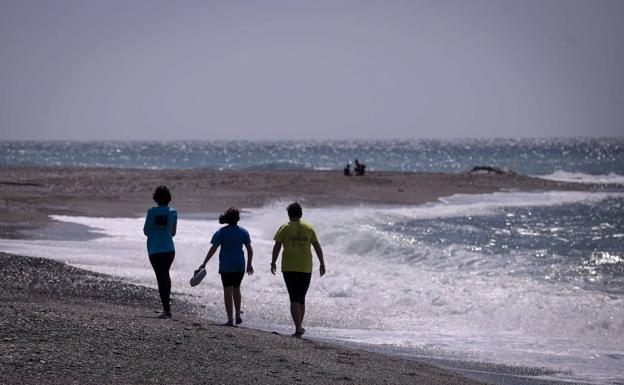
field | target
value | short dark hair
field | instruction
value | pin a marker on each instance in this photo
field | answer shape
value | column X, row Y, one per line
column 162, row 196
column 294, row 211
column 231, row 216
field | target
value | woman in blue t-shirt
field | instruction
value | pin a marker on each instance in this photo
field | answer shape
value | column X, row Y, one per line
column 231, row 238
column 160, row 227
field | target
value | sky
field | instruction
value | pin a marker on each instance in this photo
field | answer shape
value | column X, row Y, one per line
column 270, row 70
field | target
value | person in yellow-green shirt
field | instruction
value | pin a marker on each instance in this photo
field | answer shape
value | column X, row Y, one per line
column 297, row 237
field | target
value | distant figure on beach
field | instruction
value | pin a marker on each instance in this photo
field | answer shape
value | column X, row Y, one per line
column 296, row 237
column 231, row 239
column 359, row 168
column 347, row 170
column 160, row 228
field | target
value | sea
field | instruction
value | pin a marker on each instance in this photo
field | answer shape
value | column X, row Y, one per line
column 510, row 287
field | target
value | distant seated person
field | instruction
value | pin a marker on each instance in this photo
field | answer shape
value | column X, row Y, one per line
column 347, row 169
column 359, row 168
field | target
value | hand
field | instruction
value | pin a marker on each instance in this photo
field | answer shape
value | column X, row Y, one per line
column 322, row 270
column 273, row 268
column 250, row 269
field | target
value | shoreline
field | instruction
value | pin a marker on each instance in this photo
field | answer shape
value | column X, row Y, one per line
column 31, row 194
column 66, row 325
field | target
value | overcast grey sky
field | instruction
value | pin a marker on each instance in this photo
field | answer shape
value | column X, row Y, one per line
column 159, row 70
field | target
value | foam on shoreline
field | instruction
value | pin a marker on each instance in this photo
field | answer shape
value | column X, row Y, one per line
column 433, row 300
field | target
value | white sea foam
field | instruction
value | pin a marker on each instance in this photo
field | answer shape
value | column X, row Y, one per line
column 386, row 288
column 579, row 177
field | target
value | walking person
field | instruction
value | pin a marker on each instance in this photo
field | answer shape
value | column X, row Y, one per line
column 160, row 228
column 297, row 237
column 231, row 239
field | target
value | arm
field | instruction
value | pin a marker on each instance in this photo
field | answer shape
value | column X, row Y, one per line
column 250, row 269
column 174, row 228
column 211, row 252
column 145, row 225
column 319, row 254
column 276, row 249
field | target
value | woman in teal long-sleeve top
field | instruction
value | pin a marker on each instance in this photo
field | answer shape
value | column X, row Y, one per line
column 160, row 228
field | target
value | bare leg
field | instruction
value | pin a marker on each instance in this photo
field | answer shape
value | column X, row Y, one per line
column 227, row 300
column 237, row 302
column 295, row 312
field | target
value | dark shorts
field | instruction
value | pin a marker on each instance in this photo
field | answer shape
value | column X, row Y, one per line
column 232, row 279
column 297, row 284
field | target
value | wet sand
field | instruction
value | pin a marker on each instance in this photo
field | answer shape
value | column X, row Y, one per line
column 63, row 325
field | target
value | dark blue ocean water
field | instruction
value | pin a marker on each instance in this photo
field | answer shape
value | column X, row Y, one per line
column 579, row 243
column 527, row 156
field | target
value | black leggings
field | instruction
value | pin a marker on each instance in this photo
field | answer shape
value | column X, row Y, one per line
column 297, row 285
column 161, row 262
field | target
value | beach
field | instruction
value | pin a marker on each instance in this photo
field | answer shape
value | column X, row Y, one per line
column 31, row 194
column 62, row 325
column 66, row 325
